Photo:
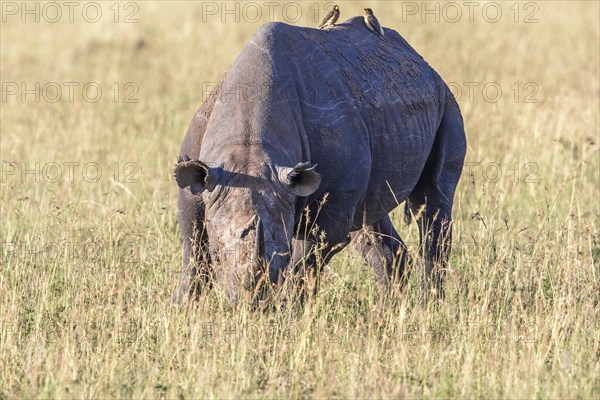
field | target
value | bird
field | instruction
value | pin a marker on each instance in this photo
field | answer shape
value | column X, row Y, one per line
column 331, row 17
column 372, row 23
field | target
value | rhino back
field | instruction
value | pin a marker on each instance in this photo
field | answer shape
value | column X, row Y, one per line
column 364, row 109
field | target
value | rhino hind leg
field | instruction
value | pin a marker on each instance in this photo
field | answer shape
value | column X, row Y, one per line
column 195, row 270
column 435, row 232
column 383, row 249
column 432, row 198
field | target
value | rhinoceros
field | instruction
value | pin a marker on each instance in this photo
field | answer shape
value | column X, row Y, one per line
column 314, row 137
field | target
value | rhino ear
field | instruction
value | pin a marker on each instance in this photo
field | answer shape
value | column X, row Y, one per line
column 192, row 173
column 302, row 180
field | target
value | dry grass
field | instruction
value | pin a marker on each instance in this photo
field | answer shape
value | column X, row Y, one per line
column 88, row 267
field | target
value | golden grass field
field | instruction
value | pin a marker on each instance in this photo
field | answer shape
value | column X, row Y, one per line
column 91, row 252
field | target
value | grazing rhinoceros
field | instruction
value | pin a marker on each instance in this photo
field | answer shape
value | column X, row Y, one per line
column 310, row 128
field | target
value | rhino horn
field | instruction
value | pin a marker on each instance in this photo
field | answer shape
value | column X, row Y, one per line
column 259, row 255
column 259, row 250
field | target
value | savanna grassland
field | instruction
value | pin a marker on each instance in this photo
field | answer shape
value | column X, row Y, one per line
column 91, row 252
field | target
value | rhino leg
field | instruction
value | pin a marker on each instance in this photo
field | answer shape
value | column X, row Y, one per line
column 303, row 254
column 309, row 258
column 435, row 232
column 326, row 236
column 306, row 253
column 383, row 249
column 195, row 270
column 303, row 267
column 431, row 199
column 334, row 223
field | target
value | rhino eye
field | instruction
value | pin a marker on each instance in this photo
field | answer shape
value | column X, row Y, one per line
column 249, row 226
column 245, row 232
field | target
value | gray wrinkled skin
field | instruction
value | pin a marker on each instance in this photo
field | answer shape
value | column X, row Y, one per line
column 376, row 120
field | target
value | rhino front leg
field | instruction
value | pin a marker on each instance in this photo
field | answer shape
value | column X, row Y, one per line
column 301, row 274
column 316, row 243
column 308, row 256
column 383, row 249
column 195, row 270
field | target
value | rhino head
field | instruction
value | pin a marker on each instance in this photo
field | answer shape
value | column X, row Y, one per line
column 249, row 216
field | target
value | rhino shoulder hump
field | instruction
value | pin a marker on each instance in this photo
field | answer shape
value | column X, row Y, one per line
column 272, row 33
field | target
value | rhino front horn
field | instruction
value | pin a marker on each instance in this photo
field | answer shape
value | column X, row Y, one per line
column 259, row 256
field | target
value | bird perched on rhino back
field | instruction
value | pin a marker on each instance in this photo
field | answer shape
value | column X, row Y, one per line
column 373, row 24
column 331, row 17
